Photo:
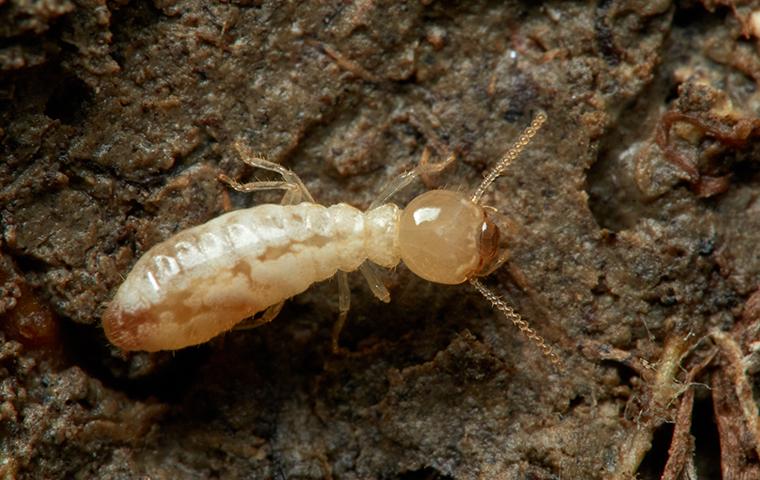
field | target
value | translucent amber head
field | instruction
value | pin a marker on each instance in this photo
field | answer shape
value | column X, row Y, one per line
column 446, row 238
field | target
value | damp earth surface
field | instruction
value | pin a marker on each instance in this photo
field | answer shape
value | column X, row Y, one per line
column 635, row 220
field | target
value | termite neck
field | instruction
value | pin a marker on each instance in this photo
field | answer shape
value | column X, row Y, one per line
column 381, row 235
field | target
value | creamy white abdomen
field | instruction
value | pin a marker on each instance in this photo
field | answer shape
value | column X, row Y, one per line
column 205, row 279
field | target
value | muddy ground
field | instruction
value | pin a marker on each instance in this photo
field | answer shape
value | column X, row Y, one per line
column 636, row 214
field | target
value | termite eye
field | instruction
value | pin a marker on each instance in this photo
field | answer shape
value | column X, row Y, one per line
column 440, row 233
column 493, row 245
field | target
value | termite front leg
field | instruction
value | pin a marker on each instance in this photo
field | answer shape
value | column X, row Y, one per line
column 404, row 180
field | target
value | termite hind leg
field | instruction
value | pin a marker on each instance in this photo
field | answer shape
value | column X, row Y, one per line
column 424, row 169
column 255, row 186
column 344, row 305
column 269, row 314
column 296, row 191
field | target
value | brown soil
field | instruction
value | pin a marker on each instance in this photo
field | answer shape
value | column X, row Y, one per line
column 636, row 216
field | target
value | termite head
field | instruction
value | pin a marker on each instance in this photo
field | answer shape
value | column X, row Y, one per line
column 444, row 237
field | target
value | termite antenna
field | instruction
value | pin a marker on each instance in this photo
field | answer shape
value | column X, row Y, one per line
column 509, row 312
column 510, row 156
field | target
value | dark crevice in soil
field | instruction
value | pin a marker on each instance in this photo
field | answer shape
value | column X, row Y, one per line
column 30, row 264
column 706, row 436
column 129, row 19
column 692, row 15
column 614, row 199
column 745, row 172
column 68, row 100
column 170, row 375
column 423, row 474
column 626, row 374
column 654, row 462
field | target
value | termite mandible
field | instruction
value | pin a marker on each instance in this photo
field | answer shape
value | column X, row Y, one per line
column 205, row 279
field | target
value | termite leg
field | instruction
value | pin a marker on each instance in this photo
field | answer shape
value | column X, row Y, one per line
column 269, row 314
column 296, row 191
column 344, row 304
column 372, row 277
column 256, row 186
column 292, row 193
column 344, row 298
column 426, row 125
column 402, row 181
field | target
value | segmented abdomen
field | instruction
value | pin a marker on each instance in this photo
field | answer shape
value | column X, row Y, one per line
column 205, row 279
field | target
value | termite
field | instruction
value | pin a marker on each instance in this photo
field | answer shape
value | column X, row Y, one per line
column 205, row 279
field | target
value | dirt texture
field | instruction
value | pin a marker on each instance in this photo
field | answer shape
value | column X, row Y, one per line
column 636, row 215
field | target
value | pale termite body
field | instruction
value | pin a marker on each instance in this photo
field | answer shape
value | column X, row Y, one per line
column 205, row 279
